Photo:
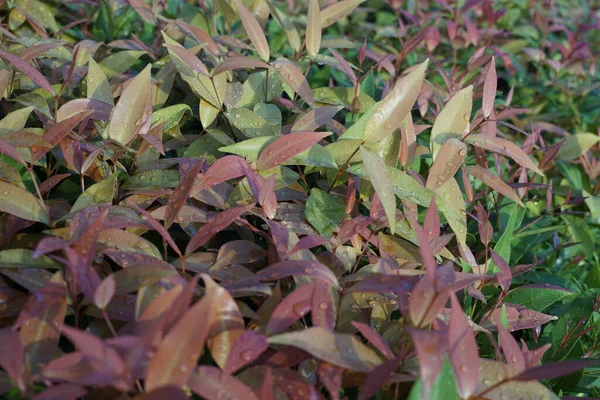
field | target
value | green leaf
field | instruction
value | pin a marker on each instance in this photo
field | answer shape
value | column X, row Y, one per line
column 250, row 123
column 98, row 87
column 152, row 179
column 452, row 120
column 173, row 116
column 316, row 156
column 577, row 144
column 119, row 63
column 324, row 211
column 382, row 182
column 342, row 96
column 536, row 298
column 132, row 115
column 250, row 148
column 15, row 121
column 23, row 258
column 99, row 193
column 21, row 203
column 444, row 386
column 503, row 246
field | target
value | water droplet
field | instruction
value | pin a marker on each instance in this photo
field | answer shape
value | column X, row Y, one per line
column 5, row 193
column 440, row 183
column 247, row 355
column 183, row 368
column 323, row 305
column 429, row 232
column 462, row 152
column 466, row 117
column 373, row 304
column 238, row 115
column 308, row 270
column 463, row 368
column 179, row 219
column 487, row 382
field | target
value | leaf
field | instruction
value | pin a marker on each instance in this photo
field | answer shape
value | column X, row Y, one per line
column 118, row 63
column 289, row 310
column 99, row 193
column 11, row 358
column 576, row 145
column 452, row 120
column 216, row 225
column 254, row 31
column 315, row 118
column 28, row 70
column 250, row 123
column 555, row 370
column 212, row 384
column 490, row 84
column 444, row 386
column 341, row 349
column 537, row 297
column 287, row 146
column 510, row 348
column 38, row 334
column 239, row 62
column 494, row 182
column 342, row 96
column 287, row 25
column 98, row 87
column 15, row 121
column 132, row 115
column 172, row 116
column 382, row 182
column 396, row 105
column 337, row 11
column 313, row 29
column 504, row 245
column 181, row 194
column 22, row 204
column 293, row 77
column 152, row 179
column 247, row 348
column 430, row 348
column 105, row 292
column 283, row 269
column 463, row 351
column 198, row 34
column 179, row 351
column 504, row 147
column 375, row 339
column 324, row 211
column 226, row 322
column 492, row 372
column 447, row 162
column 143, row 10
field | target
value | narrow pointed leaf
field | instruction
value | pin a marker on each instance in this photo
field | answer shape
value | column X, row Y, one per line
column 313, row 29
column 382, row 182
column 28, row 70
column 452, row 120
column 181, row 194
column 293, row 77
column 494, row 182
column 132, row 115
column 489, row 89
column 447, row 162
column 337, row 11
column 504, row 147
column 22, row 204
column 396, row 105
column 313, row 269
column 239, row 63
column 254, row 31
column 287, row 147
column 341, row 349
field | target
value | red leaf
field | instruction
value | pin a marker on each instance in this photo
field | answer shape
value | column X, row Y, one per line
column 105, row 292
column 283, row 269
column 504, row 277
column 331, row 376
column 463, row 350
column 430, row 347
column 198, row 34
column 308, row 242
column 248, row 347
column 554, row 370
column 214, row 226
column 98, row 110
column 267, row 198
column 378, row 377
column 239, row 62
column 323, row 306
column 293, row 307
column 181, row 194
column 66, row 391
column 375, row 339
column 143, row 10
column 12, row 355
column 213, row 384
column 489, row 89
column 189, row 58
column 295, row 79
column 28, row 70
column 156, row 226
column 177, row 354
column 287, row 147
column 224, row 169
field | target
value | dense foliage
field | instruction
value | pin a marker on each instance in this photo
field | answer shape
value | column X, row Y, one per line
column 247, row 199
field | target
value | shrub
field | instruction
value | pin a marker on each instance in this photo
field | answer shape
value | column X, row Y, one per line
column 246, row 199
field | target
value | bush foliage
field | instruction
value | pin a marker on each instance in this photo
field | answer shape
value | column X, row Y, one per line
column 259, row 199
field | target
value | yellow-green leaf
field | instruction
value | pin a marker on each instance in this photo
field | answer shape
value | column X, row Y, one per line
column 98, row 87
column 21, row 203
column 576, row 145
column 313, row 29
column 396, row 105
column 453, row 119
column 382, row 182
column 254, row 31
column 132, row 115
column 99, row 193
